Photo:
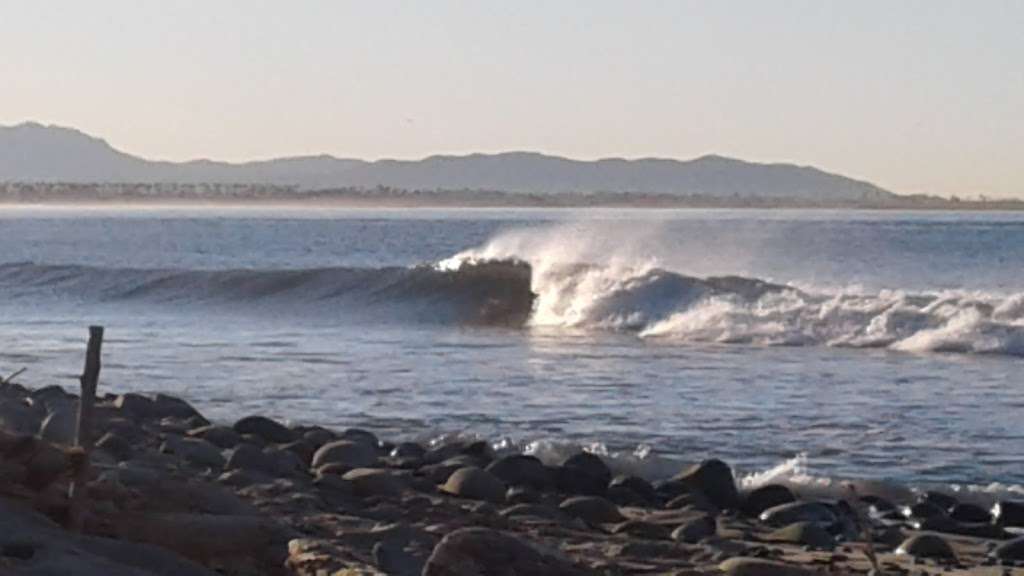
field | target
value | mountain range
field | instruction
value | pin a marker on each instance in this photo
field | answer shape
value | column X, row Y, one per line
column 32, row 152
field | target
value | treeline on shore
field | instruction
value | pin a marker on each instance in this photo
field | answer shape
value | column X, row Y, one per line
column 157, row 193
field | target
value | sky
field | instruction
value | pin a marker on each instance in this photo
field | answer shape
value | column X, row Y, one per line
column 919, row 96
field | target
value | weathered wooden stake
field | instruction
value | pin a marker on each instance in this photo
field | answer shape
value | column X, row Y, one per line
column 89, row 380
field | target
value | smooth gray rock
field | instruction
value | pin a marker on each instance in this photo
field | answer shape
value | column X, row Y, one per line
column 374, row 482
column 220, row 436
column 927, row 546
column 475, row 484
column 482, row 551
column 804, row 533
column 714, row 479
column 695, row 530
column 521, row 470
column 785, row 514
column 592, row 509
column 194, row 450
column 116, row 446
column 270, row 430
column 350, row 453
column 764, row 497
column 761, row 567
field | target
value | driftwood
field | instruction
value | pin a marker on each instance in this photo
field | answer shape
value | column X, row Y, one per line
column 9, row 379
column 89, row 380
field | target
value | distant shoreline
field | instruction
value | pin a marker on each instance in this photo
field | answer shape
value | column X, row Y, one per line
column 149, row 195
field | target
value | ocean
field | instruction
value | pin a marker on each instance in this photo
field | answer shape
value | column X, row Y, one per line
column 818, row 344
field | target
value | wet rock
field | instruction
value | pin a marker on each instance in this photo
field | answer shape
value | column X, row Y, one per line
column 695, row 530
column 927, row 546
column 583, row 473
column 631, row 490
column 969, row 513
column 271, row 431
column 592, row 510
column 249, row 457
column 1009, row 513
column 220, row 436
column 536, row 511
column 692, row 501
column 521, row 470
column 134, row 406
column 347, row 452
column 285, row 462
column 804, row 533
column 765, row 497
column 785, row 514
column 485, row 552
column 116, row 446
column 940, row 500
column 922, row 510
column 642, row 529
column 374, row 482
column 522, row 495
column 714, row 479
column 760, row 567
column 166, row 406
column 61, row 425
column 1012, row 550
column 194, row 450
column 947, row 525
column 475, row 484
column 409, row 450
column 20, row 418
column 362, row 436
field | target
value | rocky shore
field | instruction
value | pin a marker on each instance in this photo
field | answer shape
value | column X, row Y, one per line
column 171, row 493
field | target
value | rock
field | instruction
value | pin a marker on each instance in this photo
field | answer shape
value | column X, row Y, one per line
column 761, row 567
column 249, row 457
column 363, row 436
column 392, row 559
column 760, row 499
column 631, row 490
column 194, row 450
column 695, row 530
column 536, row 511
column 485, row 552
column 714, row 479
column 134, row 406
column 642, row 529
column 1012, row 550
column 373, row 482
column 303, row 449
column 271, row 431
column 285, row 462
column 521, row 470
column 927, row 546
column 347, row 452
column 947, row 525
column 439, row 473
column 804, row 533
column 592, row 510
column 969, row 513
column 1009, row 513
column 166, row 406
column 116, row 446
column 475, row 484
column 521, row 495
column 220, row 436
column 20, row 418
column 940, row 500
column 61, row 426
column 785, row 514
column 692, row 501
column 922, row 510
column 584, row 473
column 409, row 450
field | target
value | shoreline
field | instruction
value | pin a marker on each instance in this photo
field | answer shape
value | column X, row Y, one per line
column 258, row 497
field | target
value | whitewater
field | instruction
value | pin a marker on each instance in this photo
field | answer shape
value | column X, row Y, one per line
column 808, row 346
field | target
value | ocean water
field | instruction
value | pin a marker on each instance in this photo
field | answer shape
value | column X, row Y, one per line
column 875, row 345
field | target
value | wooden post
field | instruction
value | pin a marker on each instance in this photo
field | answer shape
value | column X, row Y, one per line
column 89, row 380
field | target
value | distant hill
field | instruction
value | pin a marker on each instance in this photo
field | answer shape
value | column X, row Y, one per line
column 35, row 153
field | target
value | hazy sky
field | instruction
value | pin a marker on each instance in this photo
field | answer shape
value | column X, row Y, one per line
column 918, row 96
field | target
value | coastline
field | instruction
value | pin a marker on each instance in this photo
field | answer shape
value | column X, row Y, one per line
column 259, row 497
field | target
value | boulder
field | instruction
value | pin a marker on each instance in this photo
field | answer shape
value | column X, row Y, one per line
column 785, row 514
column 270, row 430
column 251, row 458
column 970, row 513
column 695, row 530
column 374, row 482
column 592, row 510
column 631, row 490
column 359, row 435
column 804, row 533
column 521, row 470
column 194, row 450
column 714, row 479
column 220, row 436
column 475, row 484
column 927, row 546
column 761, row 567
column 61, row 425
column 642, row 529
column 584, row 473
column 134, row 406
column 1009, row 513
column 1012, row 550
column 20, row 418
column 409, row 450
column 116, row 446
column 166, row 406
column 485, row 552
column 922, row 510
column 347, row 452
column 940, row 499
column 764, row 497
column 522, row 495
